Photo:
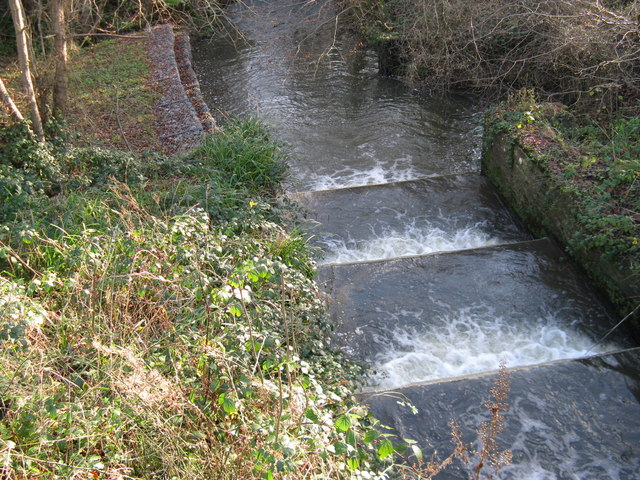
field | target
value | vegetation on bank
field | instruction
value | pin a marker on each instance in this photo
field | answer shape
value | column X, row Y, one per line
column 583, row 50
column 586, row 174
column 597, row 159
column 158, row 315
column 160, row 321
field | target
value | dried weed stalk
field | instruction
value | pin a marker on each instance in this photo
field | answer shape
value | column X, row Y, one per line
column 489, row 455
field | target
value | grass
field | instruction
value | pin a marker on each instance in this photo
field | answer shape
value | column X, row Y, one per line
column 110, row 99
column 112, row 102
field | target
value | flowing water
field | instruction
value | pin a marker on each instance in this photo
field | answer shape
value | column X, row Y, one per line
column 440, row 316
column 344, row 124
column 418, row 217
column 429, row 275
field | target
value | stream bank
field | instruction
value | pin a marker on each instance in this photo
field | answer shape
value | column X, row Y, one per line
column 548, row 205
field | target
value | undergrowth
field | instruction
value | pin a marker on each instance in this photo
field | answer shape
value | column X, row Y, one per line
column 161, row 322
column 581, row 51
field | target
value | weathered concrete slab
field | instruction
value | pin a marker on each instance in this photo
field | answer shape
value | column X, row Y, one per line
column 461, row 312
column 577, row 419
column 408, row 218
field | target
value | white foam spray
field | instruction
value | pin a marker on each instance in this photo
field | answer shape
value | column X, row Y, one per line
column 411, row 240
column 474, row 340
column 376, row 172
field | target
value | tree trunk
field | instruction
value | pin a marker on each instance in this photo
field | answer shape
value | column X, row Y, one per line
column 60, row 84
column 6, row 99
column 17, row 13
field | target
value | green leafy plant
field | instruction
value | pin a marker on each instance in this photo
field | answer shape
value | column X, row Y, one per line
column 150, row 330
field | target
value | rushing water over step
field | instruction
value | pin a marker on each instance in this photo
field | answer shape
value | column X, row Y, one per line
column 411, row 240
column 574, row 420
column 474, row 340
column 437, row 316
column 416, row 217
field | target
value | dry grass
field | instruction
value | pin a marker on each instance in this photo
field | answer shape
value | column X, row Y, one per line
column 110, row 100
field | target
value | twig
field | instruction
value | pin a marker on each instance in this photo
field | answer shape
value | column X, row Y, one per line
column 124, row 137
column 115, row 35
column 616, row 326
column 60, row 464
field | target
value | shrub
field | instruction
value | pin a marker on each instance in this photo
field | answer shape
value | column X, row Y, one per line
column 29, row 170
column 573, row 48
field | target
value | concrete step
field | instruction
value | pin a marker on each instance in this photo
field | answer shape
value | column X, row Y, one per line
column 408, row 218
column 442, row 315
column 577, row 419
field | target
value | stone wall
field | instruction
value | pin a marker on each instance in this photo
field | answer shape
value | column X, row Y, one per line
column 182, row 117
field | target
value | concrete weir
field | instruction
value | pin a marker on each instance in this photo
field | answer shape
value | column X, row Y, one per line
column 435, row 327
column 434, row 320
column 431, row 327
column 408, row 218
column 486, row 303
column 428, row 277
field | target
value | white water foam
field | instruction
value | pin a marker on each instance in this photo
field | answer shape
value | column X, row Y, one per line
column 471, row 341
column 379, row 172
column 412, row 240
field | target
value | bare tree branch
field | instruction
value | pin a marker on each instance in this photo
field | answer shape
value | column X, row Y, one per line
column 8, row 101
